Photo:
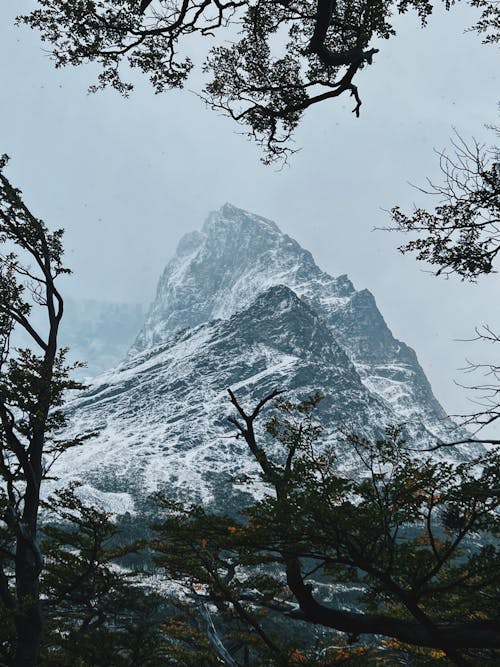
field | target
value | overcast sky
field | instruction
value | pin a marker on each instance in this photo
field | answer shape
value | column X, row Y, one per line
column 127, row 178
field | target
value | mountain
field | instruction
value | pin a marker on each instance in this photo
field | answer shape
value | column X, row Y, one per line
column 218, row 271
column 241, row 305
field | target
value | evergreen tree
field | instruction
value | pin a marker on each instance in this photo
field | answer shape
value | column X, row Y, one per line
column 97, row 611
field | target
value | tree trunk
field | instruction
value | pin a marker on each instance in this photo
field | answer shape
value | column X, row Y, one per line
column 29, row 621
column 28, row 565
column 29, row 635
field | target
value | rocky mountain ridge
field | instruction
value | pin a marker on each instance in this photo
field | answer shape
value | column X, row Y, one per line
column 242, row 305
column 237, row 254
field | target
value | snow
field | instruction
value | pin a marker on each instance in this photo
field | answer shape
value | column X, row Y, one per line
column 117, row 503
column 241, row 305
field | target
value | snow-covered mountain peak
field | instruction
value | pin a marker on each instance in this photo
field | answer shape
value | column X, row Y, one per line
column 237, row 255
column 219, row 270
column 242, row 305
column 231, row 217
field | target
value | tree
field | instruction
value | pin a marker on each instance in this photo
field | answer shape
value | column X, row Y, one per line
column 32, row 384
column 461, row 236
column 398, row 530
column 97, row 611
column 268, row 61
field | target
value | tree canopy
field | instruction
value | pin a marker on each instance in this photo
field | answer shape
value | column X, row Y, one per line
column 461, row 235
column 267, row 61
column 396, row 532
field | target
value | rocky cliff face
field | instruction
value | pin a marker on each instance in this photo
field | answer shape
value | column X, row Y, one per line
column 242, row 305
column 237, row 255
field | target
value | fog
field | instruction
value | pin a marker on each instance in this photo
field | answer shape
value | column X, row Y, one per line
column 127, row 178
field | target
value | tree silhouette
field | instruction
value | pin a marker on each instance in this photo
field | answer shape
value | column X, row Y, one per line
column 268, row 60
column 32, row 383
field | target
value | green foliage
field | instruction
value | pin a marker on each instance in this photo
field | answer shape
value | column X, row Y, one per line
column 267, row 62
column 461, row 234
column 96, row 611
column 489, row 23
column 406, row 538
column 33, row 382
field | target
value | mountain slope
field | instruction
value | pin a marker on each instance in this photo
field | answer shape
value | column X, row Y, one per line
column 218, row 271
column 242, row 305
column 162, row 414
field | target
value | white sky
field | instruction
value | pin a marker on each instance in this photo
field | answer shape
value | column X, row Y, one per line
column 127, row 178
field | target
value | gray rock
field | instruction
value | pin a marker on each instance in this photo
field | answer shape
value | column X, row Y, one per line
column 242, row 305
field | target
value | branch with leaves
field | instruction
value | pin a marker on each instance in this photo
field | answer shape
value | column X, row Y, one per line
column 462, row 234
column 400, row 535
column 268, row 61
